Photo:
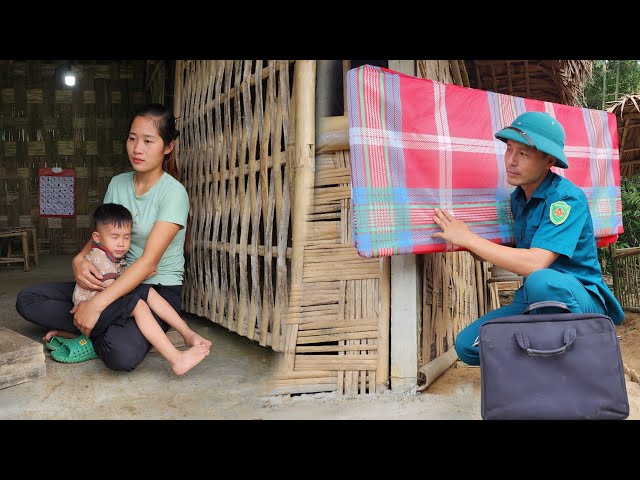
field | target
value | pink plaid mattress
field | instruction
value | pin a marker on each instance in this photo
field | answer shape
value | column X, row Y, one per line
column 417, row 144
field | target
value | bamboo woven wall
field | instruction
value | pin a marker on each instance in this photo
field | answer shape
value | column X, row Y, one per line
column 341, row 313
column 269, row 247
column 44, row 124
column 454, row 294
column 236, row 154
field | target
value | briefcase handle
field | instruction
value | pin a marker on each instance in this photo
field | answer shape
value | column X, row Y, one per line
column 548, row 303
column 570, row 335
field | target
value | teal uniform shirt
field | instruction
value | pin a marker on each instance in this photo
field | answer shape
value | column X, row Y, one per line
column 557, row 218
column 166, row 200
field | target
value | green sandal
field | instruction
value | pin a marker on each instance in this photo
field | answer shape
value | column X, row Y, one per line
column 74, row 350
column 55, row 343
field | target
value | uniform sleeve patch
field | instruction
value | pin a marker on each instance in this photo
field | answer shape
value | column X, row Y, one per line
column 559, row 212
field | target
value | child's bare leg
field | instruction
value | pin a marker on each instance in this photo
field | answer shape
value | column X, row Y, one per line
column 58, row 333
column 181, row 361
column 166, row 312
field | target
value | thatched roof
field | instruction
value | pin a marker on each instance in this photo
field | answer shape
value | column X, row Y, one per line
column 558, row 81
column 627, row 110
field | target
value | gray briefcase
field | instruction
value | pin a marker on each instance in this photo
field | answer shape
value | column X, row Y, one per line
column 551, row 366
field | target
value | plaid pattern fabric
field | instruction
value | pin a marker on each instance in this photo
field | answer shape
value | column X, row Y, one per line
column 417, row 144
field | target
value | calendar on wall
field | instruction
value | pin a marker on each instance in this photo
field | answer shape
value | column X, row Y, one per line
column 57, row 192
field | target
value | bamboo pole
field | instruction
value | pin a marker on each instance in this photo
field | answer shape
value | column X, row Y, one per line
column 332, row 124
column 346, row 66
column 465, row 75
column 202, row 77
column 333, row 134
column 455, row 72
column 625, row 252
column 478, row 76
column 304, row 164
column 177, row 100
column 437, row 367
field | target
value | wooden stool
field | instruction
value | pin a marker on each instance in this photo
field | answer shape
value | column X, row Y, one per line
column 25, row 233
column 501, row 280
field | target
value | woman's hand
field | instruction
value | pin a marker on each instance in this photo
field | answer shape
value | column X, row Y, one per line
column 87, row 275
column 85, row 316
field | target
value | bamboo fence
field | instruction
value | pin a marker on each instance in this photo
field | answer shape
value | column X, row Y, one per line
column 45, row 124
column 625, row 265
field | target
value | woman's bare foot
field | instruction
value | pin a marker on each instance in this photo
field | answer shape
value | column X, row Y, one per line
column 58, row 333
column 193, row 339
column 189, row 359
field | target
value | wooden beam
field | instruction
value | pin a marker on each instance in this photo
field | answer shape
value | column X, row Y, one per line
column 405, row 300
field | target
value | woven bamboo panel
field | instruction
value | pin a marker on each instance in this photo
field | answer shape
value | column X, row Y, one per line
column 45, row 124
column 451, row 300
column 337, row 312
column 269, row 239
column 236, row 153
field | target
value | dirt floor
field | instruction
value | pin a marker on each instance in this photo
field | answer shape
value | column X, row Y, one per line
column 630, row 342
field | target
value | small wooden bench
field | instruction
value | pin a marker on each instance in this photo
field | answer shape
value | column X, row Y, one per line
column 21, row 359
column 25, row 233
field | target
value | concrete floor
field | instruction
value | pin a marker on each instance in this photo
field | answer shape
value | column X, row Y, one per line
column 228, row 384
column 231, row 383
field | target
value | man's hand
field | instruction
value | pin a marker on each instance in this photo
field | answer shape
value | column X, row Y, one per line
column 453, row 230
column 85, row 316
column 87, row 275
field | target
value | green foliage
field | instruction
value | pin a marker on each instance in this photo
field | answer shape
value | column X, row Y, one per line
column 625, row 74
column 630, row 190
column 630, row 194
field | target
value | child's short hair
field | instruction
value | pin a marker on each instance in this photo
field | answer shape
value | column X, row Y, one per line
column 112, row 214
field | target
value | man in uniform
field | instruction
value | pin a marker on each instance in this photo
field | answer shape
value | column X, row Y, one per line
column 555, row 248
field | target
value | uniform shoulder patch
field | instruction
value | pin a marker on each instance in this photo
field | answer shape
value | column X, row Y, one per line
column 559, row 212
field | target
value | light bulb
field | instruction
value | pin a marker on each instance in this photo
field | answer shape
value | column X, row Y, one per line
column 70, row 79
